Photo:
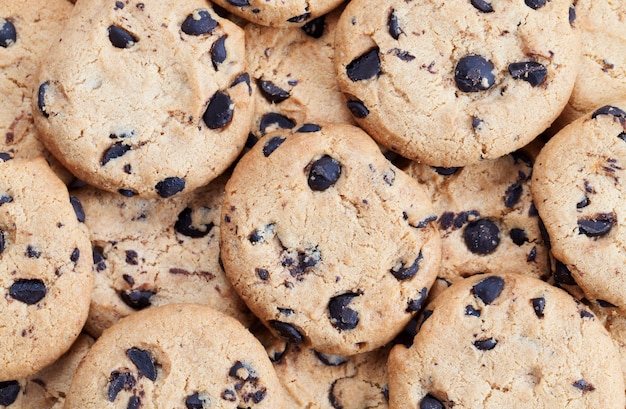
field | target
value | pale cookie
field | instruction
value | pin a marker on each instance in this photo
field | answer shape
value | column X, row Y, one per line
column 506, row 341
column 151, row 252
column 577, row 189
column 452, row 83
column 145, row 98
column 326, row 241
column 176, row 356
column 45, row 273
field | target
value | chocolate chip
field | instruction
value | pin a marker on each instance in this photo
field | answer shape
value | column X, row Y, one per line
column 331, row 360
column 170, row 186
column 357, row 108
column 238, row 3
column 134, row 402
column 8, row 35
column 244, row 77
column 78, row 208
column 513, row 194
column 416, row 303
column 126, row 192
column 315, row 28
column 41, row 98
column 114, row 151
column 572, row 14
column 309, row 128
column 485, row 344
column 119, row 381
column 562, row 275
column 198, row 22
column 518, row 236
column 598, row 225
column 28, row 291
column 323, row 173
column 488, row 289
column 4, row 156
column 137, row 299
column 219, row 111
column 229, row 395
column 474, row 73
column 365, row 66
column 32, row 252
column 271, row 92
column 402, row 54
column 98, row 258
column 532, row 255
column 342, row 317
column 482, row 236
column 586, row 314
column 2, row 242
column 218, row 52
column 446, row 171
column 610, row 110
column 529, row 71
column 275, row 119
column 121, row 38
column 605, row 304
column 403, row 272
column 584, row 386
column 262, row 273
column 196, row 402
column 143, row 361
column 5, row 199
column 583, row 203
column 271, row 145
column 118, row 5
column 242, row 371
column 539, row 304
column 482, row 5
column 75, row 255
column 8, row 392
column 287, row 331
column 393, row 27
column 132, row 257
column 184, row 225
column 535, row 4
column 471, row 311
column 299, row 18
column 430, row 402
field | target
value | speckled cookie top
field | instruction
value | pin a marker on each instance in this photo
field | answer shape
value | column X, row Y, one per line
column 424, row 78
column 176, row 356
column 45, row 273
column 326, row 241
column 577, row 188
column 145, row 98
column 151, row 252
column 518, row 342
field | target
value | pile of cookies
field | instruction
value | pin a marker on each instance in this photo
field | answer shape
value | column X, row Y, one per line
column 312, row 204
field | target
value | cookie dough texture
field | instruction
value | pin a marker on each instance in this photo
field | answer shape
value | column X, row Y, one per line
column 578, row 192
column 45, row 274
column 451, row 83
column 518, row 342
column 176, row 356
column 145, row 98
column 486, row 217
column 35, row 25
column 151, row 252
column 326, row 241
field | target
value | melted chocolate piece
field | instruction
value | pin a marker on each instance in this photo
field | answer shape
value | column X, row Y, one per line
column 474, row 73
column 121, row 38
column 218, row 52
column 272, row 144
column 562, row 275
column 245, row 78
column 275, row 119
column 416, row 303
column 404, row 272
column 119, row 381
column 518, row 236
column 393, row 26
column 446, row 171
column 287, row 331
column 535, row 4
column 309, row 128
column 194, row 401
column 137, row 299
column 488, row 289
column 315, row 28
column 323, row 173
column 134, row 402
column 75, row 255
column 610, row 110
column 342, row 317
column 331, row 360
column 78, row 208
column 365, row 66
column 28, row 291
column 584, row 386
column 114, row 151
column 471, row 311
column 199, row 22
column 8, row 34
column 539, row 304
column 513, row 194
column 170, row 186
column 430, row 402
column 41, row 98
column 143, row 361
column 485, row 344
column 482, row 5
column 271, row 92
column 219, row 111
column 299, row 18
column 482, row 236
column 238, row 3
column 9, row 390
column 598, row 225
column 357, row 108
column 529, row 71
column 184, row 225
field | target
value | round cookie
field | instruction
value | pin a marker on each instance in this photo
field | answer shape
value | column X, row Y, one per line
column 326, row 241
column 45, row 274
column 175, row 117
column 175, row 356
column 577, row 189
column 452, row 83
column 486, row 217
column 295, row 75
column 518, row 342
column 151, row 252
column 279, row 13
column 27, row 29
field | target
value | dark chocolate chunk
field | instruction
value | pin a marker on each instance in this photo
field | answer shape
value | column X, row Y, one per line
column 309, row 128
column 425, row 222
column 562, row 275
column 78, row 208
column 114, row 151
column 532, row 255
column 610, row 110
column 118, row 5
column 535, row 4
column 482, row 236
column 126, row 192
column 402, row 54
column 8, row 392
column 357, row 108
column 331, row 360
column 75, row 255
column 471, row 311
column 461, row 218
column 474, row 73
column 32, row 252
column 132, row 257
column 586, row 314
column 539, row 304
column 196, row 402
column 315, row 28
column 28, row 291
column 342, row 317
column 529, row 71
column 170, row 186
column 143, row 361
column 598, row 225
column 323, row 173
column 242, row 371
column 572, row 14
column 482, row 5
column 513, row 194
column 229, row 395
column 622, row 136
column 426, row 314
column 584, row 386
column 416, row 303
column 271, row 145
column 262, row 273
column 219, row 111
column 4, row 156
column 365, row 66
column 245, row 78
column 583, row 203
column 184, row 225
column 485, row 344
column 98, row 258
column 134, row 402
column 198, row 22
column 121, row 38
column 446, row 171
column 8, row 35
column 2, row 242
column 605, row 304
column 137, row 299
column 275, row 119
column 287, row 331
column 285, row 311
column 430, row 402
column 119, row 381
column 299, row 18
column 218, row 51
column 544, row 233
column 403, row 272
column 518, row 236
column 488, row 289
column 393, row 27
column 271, row 92
column 238, row 3
column 5, row 199
column 41, row 98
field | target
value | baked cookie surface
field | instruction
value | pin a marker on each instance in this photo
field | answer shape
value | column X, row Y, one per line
column 145, row 98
